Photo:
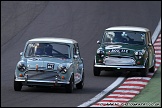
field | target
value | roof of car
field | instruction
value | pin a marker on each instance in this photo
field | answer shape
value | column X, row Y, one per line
column 53, row 39
column 129, row 28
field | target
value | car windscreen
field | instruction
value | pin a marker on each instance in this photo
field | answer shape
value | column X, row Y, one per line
column 125, row 37
column 56, row 50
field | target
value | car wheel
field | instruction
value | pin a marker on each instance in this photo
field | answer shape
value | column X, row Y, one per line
column 145, row 71
column 81, row 83
column 152, row 69
column 96, row 70
column 69, row 87
column 17, row 86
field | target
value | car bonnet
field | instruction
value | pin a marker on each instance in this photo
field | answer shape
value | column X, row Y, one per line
column 45, row 63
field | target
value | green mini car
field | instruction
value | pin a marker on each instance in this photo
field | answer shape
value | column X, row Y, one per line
column 125, row 48
column 50, row 62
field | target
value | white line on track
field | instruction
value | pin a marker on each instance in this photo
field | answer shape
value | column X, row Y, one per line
column 135, row 82
column 126, row 91
column 158, row 55
column 117, row 99
column 131, row 87
column 145, row 78
column 158, row 60
column 121, row 95
column 157, row 44
column 103, row 93
column 159, row 52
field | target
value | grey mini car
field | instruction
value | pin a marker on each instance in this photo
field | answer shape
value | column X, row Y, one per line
column 50, row 62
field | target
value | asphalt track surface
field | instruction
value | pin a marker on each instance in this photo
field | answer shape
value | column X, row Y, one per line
column 83, row 21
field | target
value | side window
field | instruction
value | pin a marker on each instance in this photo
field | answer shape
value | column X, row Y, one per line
column 149, row 37
column 76, row 49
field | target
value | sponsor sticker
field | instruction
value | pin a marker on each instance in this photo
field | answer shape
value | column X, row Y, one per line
column 113, row 46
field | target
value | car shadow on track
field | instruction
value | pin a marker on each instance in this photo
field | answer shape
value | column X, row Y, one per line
column 43, row 89
column 113, row 74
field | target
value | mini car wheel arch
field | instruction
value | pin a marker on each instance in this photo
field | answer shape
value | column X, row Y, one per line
column 17, row 85
column 152, row 69
column 145, row 71
column 96, row 70
column 69, row 87
column 81, row 83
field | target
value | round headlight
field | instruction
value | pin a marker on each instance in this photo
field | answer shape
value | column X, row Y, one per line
column 139, row 52
column 21, row 66
column 62, row 68
column 100, row 51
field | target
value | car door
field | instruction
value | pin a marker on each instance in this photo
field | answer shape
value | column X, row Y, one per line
column 77, row 62
column 151, row 51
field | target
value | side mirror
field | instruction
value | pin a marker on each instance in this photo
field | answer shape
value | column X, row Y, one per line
column 77, row 52
column 149, row 44
column 21, row 53
column 98, row 42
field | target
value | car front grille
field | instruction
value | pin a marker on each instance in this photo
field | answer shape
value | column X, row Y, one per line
column 119, row 61
column 42, row 75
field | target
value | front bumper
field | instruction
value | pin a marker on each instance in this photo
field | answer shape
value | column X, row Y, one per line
column 39, row 78
column 118, row 66
column 123, row 63
column 28, row 82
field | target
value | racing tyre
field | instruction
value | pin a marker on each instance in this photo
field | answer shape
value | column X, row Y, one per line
column 145, row 71
column 152, row 69
column 96, row 70
column 17, row 86
column 69, row 87
column 81, row 83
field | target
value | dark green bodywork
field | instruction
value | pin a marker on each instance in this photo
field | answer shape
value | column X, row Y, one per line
column 125, row 51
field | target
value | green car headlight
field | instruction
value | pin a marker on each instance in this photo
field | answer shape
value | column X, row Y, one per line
column 100, row 52
column 139, row 53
